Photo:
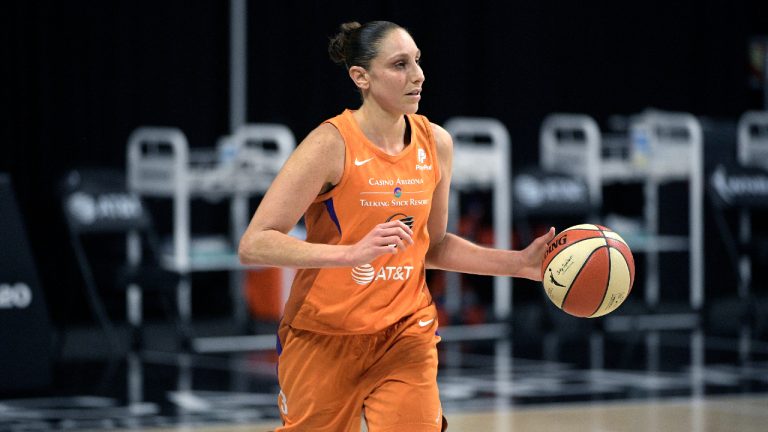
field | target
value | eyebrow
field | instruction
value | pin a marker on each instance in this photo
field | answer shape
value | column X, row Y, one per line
column 404, row 54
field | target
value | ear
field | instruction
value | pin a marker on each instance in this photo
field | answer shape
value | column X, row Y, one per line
column 359, row 76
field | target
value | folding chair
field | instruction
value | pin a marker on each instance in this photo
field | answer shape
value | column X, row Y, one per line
column 740, row 189
column 97, row 205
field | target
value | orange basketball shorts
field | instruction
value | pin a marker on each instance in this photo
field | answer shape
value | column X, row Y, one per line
column 390, row 377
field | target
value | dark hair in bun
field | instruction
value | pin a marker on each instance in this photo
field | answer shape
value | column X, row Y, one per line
column 356, row 44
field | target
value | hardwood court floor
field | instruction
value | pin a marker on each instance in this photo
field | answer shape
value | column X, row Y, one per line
column 722, row 414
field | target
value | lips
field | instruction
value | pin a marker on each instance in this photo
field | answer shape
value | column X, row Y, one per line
column 416, row 92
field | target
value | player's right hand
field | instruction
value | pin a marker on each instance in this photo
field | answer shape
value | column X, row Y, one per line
column 388, row 237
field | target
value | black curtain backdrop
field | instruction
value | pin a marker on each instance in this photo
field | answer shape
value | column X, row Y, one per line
column 79, row 76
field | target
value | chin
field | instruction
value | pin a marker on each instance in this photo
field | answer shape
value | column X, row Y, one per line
column 411, row 109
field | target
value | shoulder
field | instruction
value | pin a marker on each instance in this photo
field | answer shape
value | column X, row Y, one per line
column 443, row 140
column 320, row 153
column 324, row 138
column 323, row 143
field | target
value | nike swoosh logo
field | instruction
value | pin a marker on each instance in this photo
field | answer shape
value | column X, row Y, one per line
column 425, row 323
column 359, row 163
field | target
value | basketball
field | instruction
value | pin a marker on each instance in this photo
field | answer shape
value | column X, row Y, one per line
column 588, row 270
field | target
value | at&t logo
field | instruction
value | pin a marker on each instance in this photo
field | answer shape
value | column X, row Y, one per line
column 363, row 275
column 366, row 273
column 88, row 209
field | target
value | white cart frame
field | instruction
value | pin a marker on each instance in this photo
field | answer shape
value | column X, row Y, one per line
column 481, row 165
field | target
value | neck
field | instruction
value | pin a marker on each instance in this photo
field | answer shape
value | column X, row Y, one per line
column 384, row 129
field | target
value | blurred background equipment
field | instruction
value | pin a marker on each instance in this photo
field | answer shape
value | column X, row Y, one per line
column 738, row 188
column 482, row 162
column 26, row 334
column 118, row 253
column 161, row 166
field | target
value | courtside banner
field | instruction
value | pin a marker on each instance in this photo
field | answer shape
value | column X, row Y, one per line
column 25, row 330
column 538, row 192
column 736, row 186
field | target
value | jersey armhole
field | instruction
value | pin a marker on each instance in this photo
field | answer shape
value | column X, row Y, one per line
column 435, row 151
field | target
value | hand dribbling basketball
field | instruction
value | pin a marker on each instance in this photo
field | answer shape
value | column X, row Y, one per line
column 588, row 270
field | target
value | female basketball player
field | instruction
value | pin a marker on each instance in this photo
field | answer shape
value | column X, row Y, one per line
column 359, row 330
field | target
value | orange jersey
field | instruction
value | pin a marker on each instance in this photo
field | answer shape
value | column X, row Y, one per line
column 375, row 187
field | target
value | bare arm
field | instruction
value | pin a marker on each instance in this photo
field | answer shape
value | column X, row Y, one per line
column 450, row 252
column 315, row 166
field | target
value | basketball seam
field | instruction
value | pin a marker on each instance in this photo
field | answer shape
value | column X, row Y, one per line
column 607, row 282
column 575, row 278
column 626, row 261
column 577, row 241
column 596, row 228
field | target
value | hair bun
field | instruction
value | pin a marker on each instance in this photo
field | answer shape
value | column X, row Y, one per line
column 358, row 44
column 349, row 27
column 338, row 44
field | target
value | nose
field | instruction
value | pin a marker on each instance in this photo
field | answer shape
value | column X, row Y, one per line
column 418, row 77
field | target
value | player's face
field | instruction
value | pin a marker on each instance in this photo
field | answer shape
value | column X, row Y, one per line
column 396, row 78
